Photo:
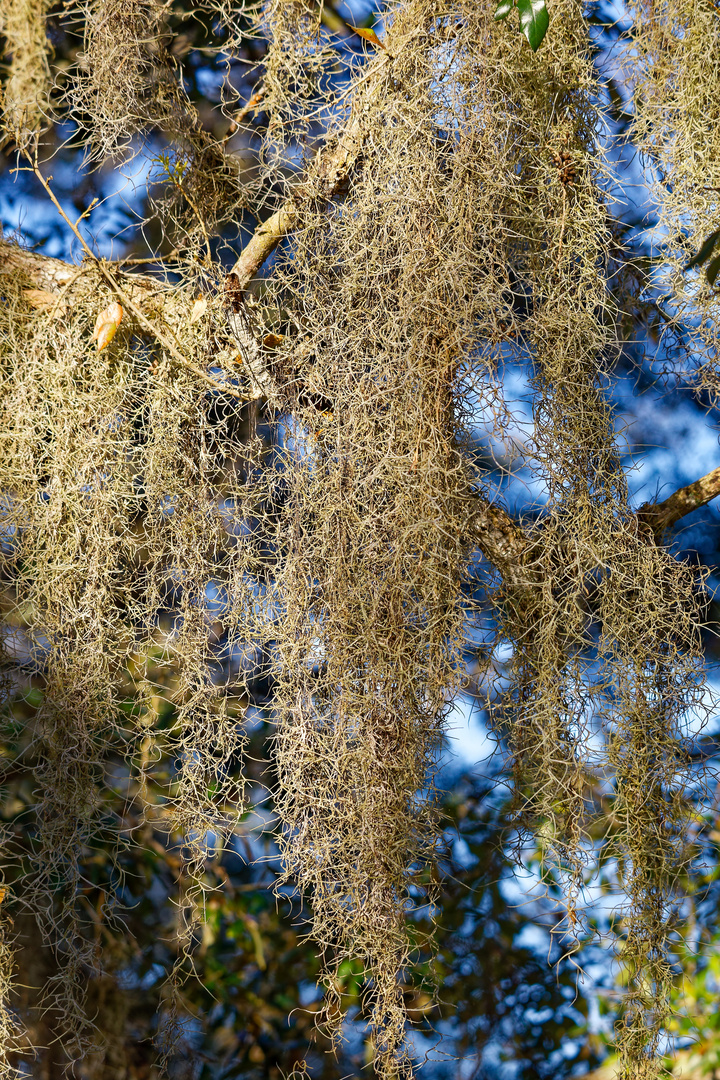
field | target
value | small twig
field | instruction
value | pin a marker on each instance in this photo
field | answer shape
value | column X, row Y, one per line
column 250, row 106
column 85, row 213
column 148, row 259
column 122, row 295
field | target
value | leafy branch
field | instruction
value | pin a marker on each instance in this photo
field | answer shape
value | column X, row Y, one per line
column 534, row 18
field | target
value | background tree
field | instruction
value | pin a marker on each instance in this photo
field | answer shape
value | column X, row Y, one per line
column 264, row 516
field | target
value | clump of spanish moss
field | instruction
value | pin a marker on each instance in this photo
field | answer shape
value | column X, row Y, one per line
column 26, row 95
column 299, row 57
column 110, row 478
column 652, row 650
column 552, row 222
column 385, row 292
column 126, row 84
column 163, row 556
column 189, row 550
column 548, row 203
column 673, row 66
column 128, row 93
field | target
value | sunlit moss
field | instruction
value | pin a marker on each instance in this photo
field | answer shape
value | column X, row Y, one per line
column 673, row 67
column 148, row 517
column 25, row 101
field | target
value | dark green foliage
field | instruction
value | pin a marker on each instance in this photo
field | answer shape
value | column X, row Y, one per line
column 534, row 18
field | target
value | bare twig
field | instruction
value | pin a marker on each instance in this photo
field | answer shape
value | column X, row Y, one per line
column 251, row 105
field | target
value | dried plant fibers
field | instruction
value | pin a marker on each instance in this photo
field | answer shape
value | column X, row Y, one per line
column 296, row 72
column 113, row 526
column 673, row 67
column 25, row 97
column 128, row 88
column 453, row 224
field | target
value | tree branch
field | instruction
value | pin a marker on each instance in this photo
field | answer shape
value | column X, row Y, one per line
column 661, row 516
column 43, row 271
column 503, row 543
column 508, row 547
column 324, row 177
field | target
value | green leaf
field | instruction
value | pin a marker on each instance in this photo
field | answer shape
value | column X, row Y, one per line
column 534, row 21
column 713, row 270
column 503, row 9
column 705, row 251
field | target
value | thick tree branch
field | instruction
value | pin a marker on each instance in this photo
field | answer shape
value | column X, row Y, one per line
column 508, row 547
column 661, row 516
column 42, row 271
column 503, row 543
